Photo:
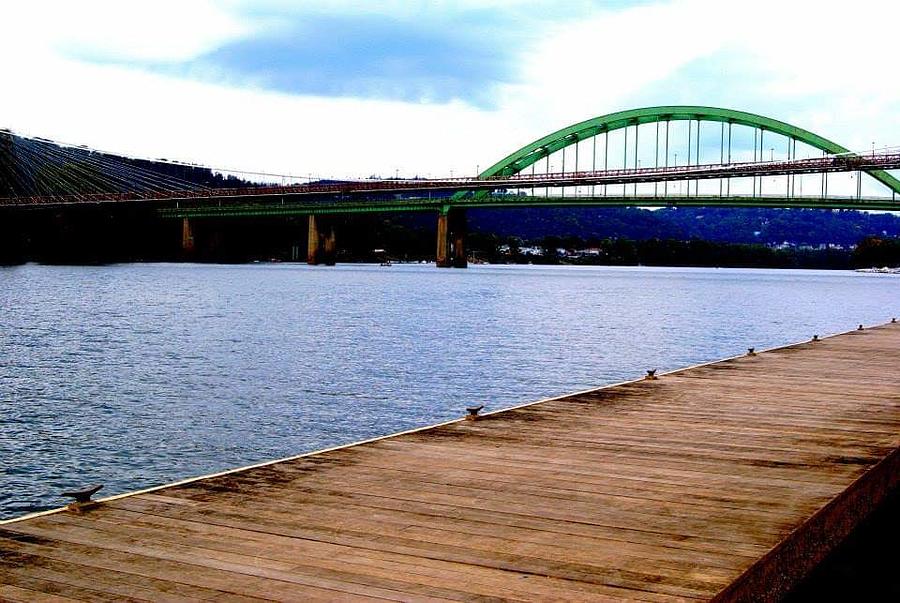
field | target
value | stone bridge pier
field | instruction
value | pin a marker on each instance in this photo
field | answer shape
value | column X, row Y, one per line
column 321, row 244
column 451, row 238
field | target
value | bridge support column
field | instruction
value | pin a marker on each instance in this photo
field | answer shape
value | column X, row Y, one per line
column 187, row 236
column 312, row 242
column 321, row 245
column 442, row 257
column 458, row 238
column 329, row 245
column 451, row 239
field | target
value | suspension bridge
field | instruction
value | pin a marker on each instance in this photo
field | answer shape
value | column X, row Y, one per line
column 597, row 162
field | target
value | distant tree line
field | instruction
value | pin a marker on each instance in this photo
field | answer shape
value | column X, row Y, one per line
column 664, row 252
column 728, row 225
column 877, row 252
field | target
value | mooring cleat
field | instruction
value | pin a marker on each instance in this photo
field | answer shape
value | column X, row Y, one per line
column 815, row 338
column 751, row 351
column 859, row 328
column 651, row 375
column 894, row 320
column 84, row 495
column 472, row 412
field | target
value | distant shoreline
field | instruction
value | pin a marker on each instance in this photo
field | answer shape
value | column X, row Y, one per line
column 431, row 263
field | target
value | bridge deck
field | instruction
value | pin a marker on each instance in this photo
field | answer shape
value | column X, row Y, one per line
column 724, row 480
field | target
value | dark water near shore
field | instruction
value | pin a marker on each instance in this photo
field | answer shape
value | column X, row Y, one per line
column 863, row 567
column 137, row 375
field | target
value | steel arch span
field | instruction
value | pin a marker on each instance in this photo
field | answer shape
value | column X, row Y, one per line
column 549, row 144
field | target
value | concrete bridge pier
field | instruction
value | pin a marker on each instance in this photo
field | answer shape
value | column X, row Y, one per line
column 451, row 239
column 187, row 237
column 321, row 245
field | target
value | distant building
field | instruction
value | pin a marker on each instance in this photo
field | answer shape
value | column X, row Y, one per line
column 589, row 251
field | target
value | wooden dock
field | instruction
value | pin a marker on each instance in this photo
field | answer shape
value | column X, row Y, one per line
column 726, row 481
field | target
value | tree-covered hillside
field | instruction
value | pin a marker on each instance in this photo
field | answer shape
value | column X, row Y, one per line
column 732, row 225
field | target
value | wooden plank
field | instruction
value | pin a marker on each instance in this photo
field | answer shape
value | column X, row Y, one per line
column 118, row 584
column 311, row 554
column 16, row 594
column 724, row 481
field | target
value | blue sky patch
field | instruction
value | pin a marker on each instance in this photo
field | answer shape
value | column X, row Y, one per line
column 370, row 57
column 430, row 57
column 422, row 53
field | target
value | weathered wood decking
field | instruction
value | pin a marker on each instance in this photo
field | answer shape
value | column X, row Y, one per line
column 725, row 480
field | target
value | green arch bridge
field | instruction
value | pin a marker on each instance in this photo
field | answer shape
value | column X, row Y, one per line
column 517, row 172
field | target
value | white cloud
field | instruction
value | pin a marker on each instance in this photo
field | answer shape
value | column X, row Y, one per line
column 815, row 47
column 157, row 116
column 162, row 30
column 836, row 61
column 589, row 66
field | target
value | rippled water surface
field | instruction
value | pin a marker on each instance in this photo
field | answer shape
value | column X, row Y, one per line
column 141, row 374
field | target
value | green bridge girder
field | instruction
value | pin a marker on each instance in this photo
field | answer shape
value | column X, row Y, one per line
column 524, row 201
column 549, row 144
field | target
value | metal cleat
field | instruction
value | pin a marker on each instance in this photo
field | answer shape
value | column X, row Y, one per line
column 472, row 412
column 84, row 495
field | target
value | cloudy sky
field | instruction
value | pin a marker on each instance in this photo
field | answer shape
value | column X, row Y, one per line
column 340, row 88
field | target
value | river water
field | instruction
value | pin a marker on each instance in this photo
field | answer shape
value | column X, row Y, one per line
column 140, row 374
